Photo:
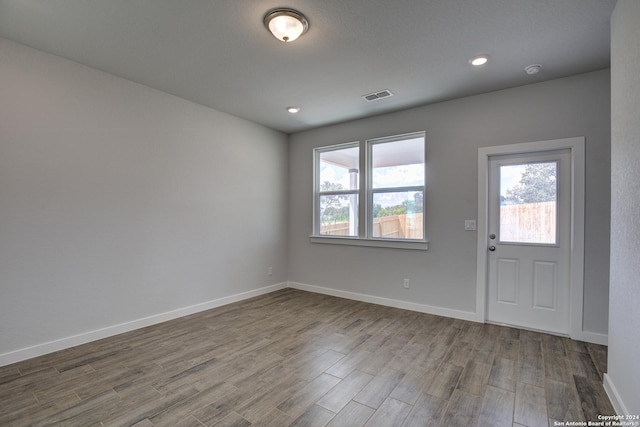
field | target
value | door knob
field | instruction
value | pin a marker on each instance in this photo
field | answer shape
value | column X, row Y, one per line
column 492, row 248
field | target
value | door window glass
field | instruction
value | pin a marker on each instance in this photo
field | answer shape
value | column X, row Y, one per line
column 529, row 203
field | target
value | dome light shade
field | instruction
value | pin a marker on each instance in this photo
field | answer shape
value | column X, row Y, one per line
column 286, row 24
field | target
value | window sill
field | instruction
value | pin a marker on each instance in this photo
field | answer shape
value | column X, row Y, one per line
column 418, row 245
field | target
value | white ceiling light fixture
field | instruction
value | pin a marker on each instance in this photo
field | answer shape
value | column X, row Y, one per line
column 479, row 60
column 293, row 110
column 286, row 24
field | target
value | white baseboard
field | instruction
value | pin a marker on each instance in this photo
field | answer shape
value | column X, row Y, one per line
column 67, row 342
column 61, row 344
column 406, row 305
column 593, row 337
column 614, row 396
column 587, row 336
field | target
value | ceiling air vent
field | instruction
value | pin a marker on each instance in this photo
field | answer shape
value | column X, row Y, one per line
column 377, row 95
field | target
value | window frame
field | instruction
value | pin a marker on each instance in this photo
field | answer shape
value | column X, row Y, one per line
column 317, row 194
column 365, row 194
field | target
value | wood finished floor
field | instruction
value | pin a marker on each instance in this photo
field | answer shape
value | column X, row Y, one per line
column 293, row 358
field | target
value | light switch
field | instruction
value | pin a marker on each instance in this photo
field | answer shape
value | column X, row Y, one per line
column 469, row 224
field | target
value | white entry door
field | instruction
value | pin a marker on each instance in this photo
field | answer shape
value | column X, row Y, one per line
column 528, row 241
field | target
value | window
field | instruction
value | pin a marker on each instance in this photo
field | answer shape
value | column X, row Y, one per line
column 337, row 190
column 528, row 203
column 389, row 175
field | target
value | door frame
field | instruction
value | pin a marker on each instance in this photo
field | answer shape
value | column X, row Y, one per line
column 576, row 146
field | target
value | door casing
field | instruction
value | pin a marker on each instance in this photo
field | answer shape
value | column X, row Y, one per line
column 576, row 146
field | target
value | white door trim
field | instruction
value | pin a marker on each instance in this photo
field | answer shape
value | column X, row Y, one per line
column 577, row 147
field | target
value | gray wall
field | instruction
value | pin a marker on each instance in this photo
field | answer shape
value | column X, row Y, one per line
column 445, row 276
column 624, row 320
column 119, row 202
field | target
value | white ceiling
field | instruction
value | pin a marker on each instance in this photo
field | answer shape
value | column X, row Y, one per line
column 218, row 53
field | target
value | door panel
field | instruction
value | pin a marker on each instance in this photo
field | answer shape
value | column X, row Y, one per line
column 545, row 284
column 529, row 240
column 508, row 280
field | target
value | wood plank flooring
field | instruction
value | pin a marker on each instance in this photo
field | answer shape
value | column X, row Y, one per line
column 293, row 358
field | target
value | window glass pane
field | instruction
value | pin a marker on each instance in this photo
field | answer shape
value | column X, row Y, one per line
column 339, row 169
column 339, row 215
column 398, row 163
column 528, row 203
column 398, row 215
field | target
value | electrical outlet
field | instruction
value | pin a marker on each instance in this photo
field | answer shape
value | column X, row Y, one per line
column 406, row 283
column 270, row 271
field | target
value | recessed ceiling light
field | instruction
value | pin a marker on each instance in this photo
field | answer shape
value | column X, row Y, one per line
column 476, row 61
column 293, row 110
